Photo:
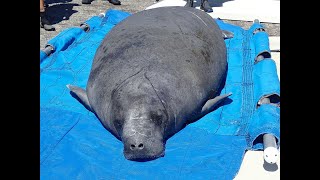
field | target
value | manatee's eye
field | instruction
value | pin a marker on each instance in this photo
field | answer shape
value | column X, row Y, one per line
column 118, row 124
column 157, row 117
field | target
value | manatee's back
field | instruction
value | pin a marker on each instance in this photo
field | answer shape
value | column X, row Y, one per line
column 180, row 50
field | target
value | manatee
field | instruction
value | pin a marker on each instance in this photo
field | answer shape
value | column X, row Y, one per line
column 153, row 73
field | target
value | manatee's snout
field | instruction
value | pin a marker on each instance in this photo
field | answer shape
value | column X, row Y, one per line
column 137, row 149
column 142, row 141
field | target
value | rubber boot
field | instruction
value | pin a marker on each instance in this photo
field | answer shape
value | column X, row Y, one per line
column 205, row 6
column 189, row 3
column 86, row 1
column 45, row 4
column 115, row 2
column 45, row 23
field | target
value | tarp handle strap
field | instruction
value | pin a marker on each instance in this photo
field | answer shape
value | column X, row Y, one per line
column 48, row 49
column 261, row 37
column 259, row 30
column 86, row 27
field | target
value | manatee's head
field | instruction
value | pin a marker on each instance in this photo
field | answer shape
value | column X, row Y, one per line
column 139, row 119
column 141, row 129
column 143, row 134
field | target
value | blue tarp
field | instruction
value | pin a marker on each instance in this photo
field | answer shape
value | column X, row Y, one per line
column 75, row 145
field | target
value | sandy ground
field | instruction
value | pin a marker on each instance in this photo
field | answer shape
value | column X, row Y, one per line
column 69, row 13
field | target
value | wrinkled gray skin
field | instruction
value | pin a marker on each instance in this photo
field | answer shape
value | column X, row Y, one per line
column 155, row 72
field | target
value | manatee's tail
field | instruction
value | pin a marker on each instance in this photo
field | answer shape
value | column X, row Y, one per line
column 80, row 94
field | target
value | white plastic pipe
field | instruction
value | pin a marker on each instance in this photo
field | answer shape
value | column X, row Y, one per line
column 270, row 152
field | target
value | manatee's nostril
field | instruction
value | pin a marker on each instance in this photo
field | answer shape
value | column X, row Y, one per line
column 132, row 146
column 140, row 146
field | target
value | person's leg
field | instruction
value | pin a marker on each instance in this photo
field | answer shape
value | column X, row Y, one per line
column 115, row 2
column 205, row 6
column 44, row 22
column 189, row 3
column 41, row 6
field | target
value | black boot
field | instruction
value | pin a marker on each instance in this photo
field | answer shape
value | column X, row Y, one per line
column 45, row 23
column 205, row 6
column 86, row 1
column 115, row 2
column 189, row 3
column 45, row 4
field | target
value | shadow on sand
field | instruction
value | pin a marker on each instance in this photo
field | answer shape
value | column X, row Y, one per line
column 60, row 10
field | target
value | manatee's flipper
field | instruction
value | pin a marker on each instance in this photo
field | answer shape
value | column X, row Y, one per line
column 227, row 34
column 211, row 103
column 80, row 94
